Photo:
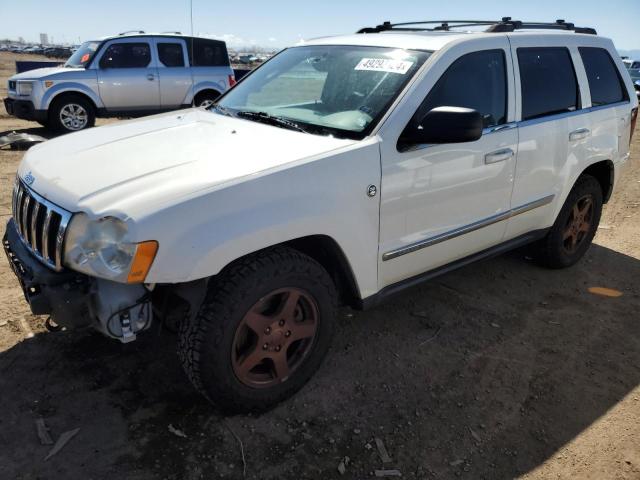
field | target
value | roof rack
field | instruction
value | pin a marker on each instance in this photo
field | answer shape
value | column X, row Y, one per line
column 131, row 31
column 175, row 33
column 507, row 24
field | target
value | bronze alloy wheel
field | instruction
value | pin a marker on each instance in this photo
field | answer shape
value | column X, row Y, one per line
column 578, row 224
column 274, row 337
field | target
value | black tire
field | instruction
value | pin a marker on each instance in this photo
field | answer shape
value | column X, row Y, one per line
column 206, row 344
column 552, row 250
column 54, row 121
column 205, row 98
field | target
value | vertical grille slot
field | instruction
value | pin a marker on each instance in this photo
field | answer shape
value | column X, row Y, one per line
column 41, row 225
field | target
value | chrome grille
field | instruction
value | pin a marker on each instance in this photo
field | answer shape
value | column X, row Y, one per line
column 41, row 225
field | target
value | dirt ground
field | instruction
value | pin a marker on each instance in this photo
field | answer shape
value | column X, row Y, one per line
column 499, row 370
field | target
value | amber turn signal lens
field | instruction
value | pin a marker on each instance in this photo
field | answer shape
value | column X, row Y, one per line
column 145, row 253
column 48, row 83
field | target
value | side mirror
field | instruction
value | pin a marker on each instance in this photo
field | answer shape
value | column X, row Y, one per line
column 445, row 125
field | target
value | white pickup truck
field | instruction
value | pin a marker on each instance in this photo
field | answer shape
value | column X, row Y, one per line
column 341, row 171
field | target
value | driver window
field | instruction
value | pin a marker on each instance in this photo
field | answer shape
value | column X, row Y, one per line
column 476, row 80
column 126, row 55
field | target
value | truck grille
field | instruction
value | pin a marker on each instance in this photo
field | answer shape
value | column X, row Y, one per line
column 12, row 85
column 41, row 225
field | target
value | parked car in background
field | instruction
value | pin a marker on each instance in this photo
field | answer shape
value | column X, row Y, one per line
column 130, row 74
column 344, row 170
column 57, row 52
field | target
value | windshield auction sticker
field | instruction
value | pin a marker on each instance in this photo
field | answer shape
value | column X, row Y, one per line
column 384, row 65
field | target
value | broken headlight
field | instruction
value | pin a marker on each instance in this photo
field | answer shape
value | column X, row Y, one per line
column 102, row 248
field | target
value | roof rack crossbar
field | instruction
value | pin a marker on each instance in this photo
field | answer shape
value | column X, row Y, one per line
column 506, row 24
column 130, row 31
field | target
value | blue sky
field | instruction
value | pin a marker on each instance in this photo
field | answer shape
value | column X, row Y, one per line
column 280, row 23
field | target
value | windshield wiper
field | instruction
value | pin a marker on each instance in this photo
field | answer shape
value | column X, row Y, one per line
column 264, row 117
column 220, row 109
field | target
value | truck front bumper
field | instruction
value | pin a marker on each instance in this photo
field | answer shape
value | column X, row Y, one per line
column 74, row 300
column 24, row 109
column 62, row 295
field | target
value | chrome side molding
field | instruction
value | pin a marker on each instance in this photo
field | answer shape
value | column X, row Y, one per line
column 472, row 227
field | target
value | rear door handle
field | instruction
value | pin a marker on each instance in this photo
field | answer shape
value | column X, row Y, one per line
column 579, row 134
column 498, row 156
column 150, row 76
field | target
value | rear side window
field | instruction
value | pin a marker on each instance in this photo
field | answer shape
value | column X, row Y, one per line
column 548, row 81
column 476, row 80
column 605, row 83
column 207, row 53
column 126, row 55
column 170, row 54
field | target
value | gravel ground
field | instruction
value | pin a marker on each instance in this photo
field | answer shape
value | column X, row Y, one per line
column 499, row 370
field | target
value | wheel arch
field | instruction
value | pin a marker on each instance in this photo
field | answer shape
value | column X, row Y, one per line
column 80, row 90
column 73, row 93
column 326, row 251
column 604, row 172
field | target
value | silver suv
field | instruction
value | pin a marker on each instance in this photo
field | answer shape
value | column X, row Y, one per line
column 130, row 74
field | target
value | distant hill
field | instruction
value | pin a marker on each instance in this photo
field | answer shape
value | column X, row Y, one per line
column 633, row 54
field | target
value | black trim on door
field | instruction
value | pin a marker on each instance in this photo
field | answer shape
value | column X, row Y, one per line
column 399, row 287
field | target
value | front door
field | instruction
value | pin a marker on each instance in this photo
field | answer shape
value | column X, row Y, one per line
column 441, row 203
column 128, row 77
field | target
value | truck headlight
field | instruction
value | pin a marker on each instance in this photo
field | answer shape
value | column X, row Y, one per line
column 102, row 248
column 24, row 88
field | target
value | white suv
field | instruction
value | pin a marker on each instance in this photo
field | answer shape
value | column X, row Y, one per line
column 341, row 171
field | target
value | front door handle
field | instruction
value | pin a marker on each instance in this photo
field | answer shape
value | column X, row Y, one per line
column 579, row 134
column 150, row 76
column 498, row 156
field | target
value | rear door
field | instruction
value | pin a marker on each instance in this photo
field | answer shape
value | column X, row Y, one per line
column 127, row 75
column 554, row 128
column 173, row 71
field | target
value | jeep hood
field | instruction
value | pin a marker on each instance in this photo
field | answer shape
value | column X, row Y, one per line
column 40, row 73
column 135, row 167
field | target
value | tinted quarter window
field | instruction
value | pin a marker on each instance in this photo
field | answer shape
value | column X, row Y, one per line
column 126, row 55
column 207, row 53
column 548, row 81
column 170, row 54
column 605, row 83
column 477, row 80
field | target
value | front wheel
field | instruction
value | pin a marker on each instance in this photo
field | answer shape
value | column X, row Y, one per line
column 71, row 113
column 262, row 331
column 574, row 229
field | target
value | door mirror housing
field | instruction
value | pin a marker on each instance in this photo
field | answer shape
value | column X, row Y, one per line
column 445, row 125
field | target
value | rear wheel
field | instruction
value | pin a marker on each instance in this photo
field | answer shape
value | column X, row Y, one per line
column 262, row 331
column 206, row 99
column 576, row 225
column 71, row 113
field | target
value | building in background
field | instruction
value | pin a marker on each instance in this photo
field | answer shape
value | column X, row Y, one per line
column 44, row 39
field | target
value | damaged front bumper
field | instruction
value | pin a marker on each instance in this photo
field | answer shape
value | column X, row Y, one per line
column 75, row 300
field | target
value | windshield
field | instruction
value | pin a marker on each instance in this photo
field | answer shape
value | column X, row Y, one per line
column 83, row 55
column 337, row 89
